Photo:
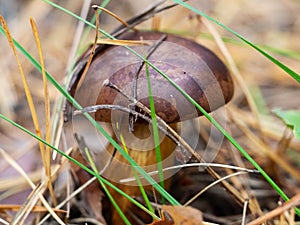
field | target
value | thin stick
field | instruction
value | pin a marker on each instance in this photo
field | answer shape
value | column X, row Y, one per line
column 125, row 180
column 110, row 13
column 135, row 78
column 245, row 212
column 87, row 66
column 94, row 108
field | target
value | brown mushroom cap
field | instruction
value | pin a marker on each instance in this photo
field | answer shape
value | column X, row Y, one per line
column 196, row 69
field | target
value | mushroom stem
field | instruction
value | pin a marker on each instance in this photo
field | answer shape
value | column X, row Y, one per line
column 144, row 157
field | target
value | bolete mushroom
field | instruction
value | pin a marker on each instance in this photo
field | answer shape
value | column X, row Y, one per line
column 196, row 69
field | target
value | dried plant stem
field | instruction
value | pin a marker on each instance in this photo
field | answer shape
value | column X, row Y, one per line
column 92, row 53
column 47, row 113
column 110, row 13
column 26, row 88
column 211, row 185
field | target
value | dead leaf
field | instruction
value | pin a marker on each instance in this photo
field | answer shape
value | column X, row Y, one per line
column 183, row 215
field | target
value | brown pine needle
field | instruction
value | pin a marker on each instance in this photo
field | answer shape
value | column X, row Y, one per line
column 26, row 87
column 87, row 66
column 112, row 14
column 31, row 107
column 47, row 164
column 10, row 207
column 123, row 42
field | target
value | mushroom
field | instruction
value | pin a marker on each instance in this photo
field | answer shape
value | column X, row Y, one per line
column 196, row 69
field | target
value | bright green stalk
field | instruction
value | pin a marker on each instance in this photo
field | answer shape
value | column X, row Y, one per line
column 111, row 198
column 138, row 180
column 155, row 130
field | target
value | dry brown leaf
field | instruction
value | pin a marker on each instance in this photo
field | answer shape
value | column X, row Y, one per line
column 183, row 215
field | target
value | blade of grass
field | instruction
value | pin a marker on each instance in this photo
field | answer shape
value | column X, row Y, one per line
column 116, row 206
column 142, row 189
column 230, row 138
column 155, row 130
column 217, row 125
column 57, row 116
column 227, row 135
column 278, row 51
column 275, row 61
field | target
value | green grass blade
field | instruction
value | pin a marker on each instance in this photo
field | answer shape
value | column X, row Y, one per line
column 155, row 130
column 275, row 61
column 116, row 206
column 139, row 183
column 144, row 194
column 278, row 51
